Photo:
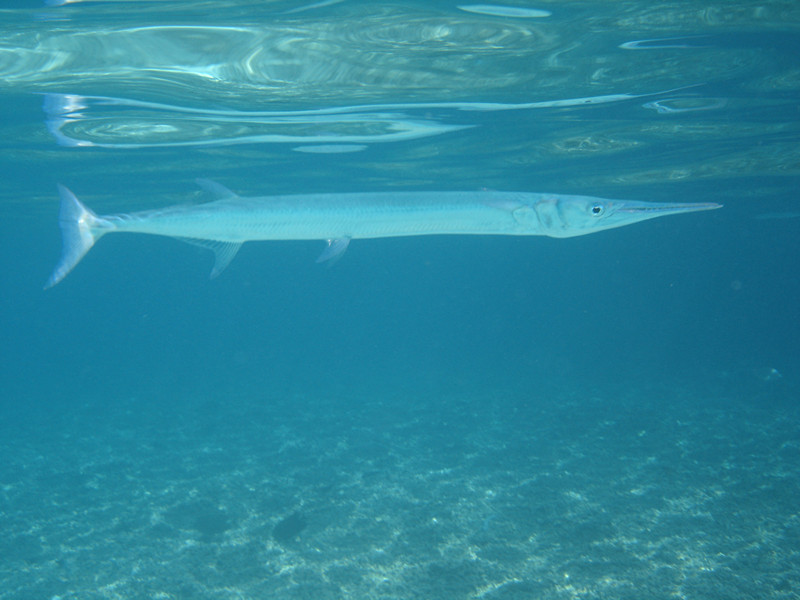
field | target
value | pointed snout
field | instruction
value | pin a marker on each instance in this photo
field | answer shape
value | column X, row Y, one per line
column 657, row 209
column 626, row 212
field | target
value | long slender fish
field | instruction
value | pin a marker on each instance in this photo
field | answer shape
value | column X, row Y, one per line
column 223, row 225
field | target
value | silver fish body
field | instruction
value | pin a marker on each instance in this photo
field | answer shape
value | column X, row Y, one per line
column 223, row 225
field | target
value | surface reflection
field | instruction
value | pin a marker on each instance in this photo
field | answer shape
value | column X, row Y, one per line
column 107, row 122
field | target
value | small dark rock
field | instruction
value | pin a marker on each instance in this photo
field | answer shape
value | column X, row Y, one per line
column 289, row 528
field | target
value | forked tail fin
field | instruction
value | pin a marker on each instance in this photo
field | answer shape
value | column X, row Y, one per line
column 80, row 229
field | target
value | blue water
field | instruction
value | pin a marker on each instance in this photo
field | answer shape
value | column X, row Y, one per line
column 608, row 416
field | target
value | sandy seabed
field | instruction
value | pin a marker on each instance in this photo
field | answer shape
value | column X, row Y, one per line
column 647, row 494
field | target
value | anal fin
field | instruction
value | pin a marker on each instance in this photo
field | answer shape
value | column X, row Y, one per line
column 223, row 252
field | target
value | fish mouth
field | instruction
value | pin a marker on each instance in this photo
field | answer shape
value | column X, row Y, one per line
column 664, row 208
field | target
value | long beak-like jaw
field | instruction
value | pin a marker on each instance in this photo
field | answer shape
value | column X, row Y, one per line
column 626, row 212
column 635, row 207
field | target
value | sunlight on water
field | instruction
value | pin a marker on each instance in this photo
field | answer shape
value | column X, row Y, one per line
column 122, row 123
column 345, row 73
column 379, row 51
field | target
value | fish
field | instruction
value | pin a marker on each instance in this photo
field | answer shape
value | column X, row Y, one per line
column 224, row 224
column 497, row 10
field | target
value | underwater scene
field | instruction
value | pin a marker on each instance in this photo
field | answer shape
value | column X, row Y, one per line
column 480, row 301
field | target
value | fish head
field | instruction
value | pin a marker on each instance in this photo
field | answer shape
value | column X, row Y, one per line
column 569, row 216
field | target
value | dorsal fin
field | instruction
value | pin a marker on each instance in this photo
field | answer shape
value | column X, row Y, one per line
column 216, row 189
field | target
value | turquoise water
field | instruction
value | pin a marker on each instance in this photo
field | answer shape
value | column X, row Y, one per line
column 608, row 416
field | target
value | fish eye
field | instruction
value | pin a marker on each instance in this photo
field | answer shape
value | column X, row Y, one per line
column 597, row 209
